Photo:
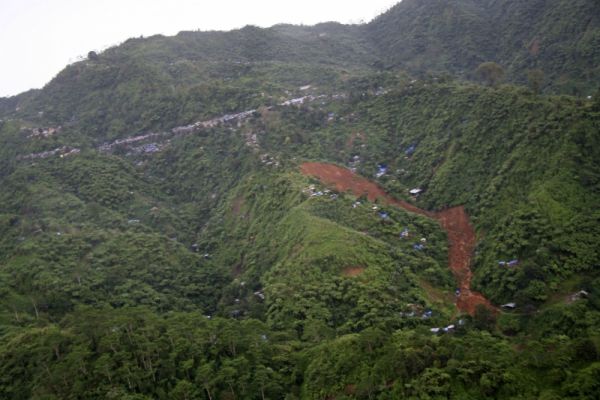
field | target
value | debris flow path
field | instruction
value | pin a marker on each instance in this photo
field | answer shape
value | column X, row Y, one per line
column 455, row 221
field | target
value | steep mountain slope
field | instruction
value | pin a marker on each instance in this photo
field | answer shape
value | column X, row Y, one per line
column 559, row 37
column 218, row 221
column 464, row 145
column 134, row 86
column 158, row 238
column 435, row 36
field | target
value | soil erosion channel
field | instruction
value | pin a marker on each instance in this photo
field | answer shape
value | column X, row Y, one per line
column 461, row 235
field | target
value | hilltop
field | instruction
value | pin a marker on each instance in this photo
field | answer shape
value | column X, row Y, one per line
column 555, row 36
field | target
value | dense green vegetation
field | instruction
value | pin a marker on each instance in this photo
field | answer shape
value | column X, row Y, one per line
column 559, row 38
column 146, row 83
column 205, row 266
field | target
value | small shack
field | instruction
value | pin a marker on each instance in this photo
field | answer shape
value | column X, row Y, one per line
column 579, row 295
column 381, row 170
column 449, row 328
column 410, row 150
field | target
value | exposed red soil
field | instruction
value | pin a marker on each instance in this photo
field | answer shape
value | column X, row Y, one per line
column 353, row 271
column 350, row 389
column 455, row 221
column 461, row 238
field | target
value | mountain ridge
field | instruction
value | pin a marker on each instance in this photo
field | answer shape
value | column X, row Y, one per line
column 450, row 37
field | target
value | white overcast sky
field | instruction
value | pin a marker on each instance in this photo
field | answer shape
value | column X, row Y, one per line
column 40, row 37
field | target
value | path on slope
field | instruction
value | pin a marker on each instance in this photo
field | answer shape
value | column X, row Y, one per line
column 455, row 221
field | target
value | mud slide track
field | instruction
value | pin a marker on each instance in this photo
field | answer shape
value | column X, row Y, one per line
column 455, row 221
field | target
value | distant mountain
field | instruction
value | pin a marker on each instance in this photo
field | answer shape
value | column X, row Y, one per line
column 421, row 37
column 562, row 38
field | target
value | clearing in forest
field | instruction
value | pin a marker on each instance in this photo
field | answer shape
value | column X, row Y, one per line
column 455, row 221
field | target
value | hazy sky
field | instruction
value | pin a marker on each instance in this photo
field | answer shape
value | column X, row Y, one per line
column 40, row 37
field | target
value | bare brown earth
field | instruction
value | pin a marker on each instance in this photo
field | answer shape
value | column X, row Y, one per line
column 455, row 221
column 352, row 271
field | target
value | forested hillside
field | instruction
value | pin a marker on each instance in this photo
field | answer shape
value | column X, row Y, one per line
column 556, row 37
column 310, row 212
